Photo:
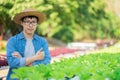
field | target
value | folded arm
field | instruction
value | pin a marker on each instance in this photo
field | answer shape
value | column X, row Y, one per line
column 39, row 56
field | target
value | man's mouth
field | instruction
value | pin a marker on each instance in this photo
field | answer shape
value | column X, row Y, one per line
column 30, row 29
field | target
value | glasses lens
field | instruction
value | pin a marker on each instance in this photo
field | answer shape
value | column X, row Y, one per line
column 32, row 23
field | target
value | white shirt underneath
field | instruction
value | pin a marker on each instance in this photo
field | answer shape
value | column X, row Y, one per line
column 29, row 48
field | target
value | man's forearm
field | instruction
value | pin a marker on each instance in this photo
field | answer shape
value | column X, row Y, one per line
column 30, row 60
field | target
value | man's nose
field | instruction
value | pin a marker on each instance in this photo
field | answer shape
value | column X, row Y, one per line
column 30, row 25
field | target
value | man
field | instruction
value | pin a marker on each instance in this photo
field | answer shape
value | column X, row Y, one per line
column 27, row 48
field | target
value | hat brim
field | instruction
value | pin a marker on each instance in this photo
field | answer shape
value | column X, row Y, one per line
column 18, row 17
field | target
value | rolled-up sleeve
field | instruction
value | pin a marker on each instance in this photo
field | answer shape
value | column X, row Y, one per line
column 22, row 62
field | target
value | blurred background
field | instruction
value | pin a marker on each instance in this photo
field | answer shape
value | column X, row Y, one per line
column 66, row 20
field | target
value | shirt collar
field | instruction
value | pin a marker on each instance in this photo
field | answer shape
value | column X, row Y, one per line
column 21, row 36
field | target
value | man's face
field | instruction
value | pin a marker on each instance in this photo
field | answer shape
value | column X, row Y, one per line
column 29, row 25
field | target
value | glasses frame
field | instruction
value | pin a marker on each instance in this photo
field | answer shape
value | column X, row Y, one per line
column 33, row 23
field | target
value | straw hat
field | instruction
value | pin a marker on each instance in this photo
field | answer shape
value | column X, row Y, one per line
column 29, row 12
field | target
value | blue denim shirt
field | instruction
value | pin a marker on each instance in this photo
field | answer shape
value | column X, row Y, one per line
column 17, row 43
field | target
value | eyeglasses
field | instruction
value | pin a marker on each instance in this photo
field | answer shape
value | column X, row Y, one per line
column 34, row 23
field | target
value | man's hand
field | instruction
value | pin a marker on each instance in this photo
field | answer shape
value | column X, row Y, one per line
column 16, row 54
column 40, row 55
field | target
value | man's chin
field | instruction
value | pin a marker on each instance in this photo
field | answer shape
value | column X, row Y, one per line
column 30, row 33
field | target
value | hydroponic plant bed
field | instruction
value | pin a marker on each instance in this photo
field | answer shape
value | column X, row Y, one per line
column 100, row 66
